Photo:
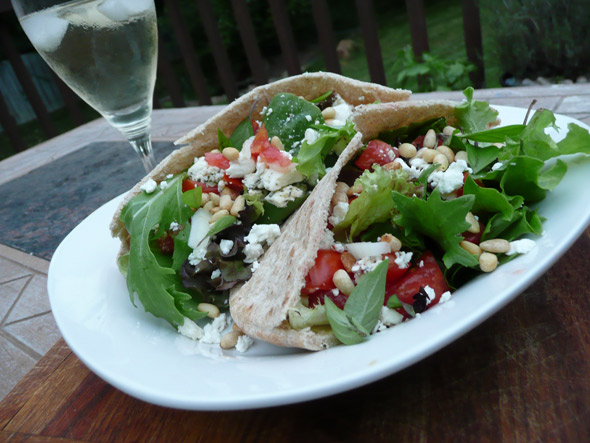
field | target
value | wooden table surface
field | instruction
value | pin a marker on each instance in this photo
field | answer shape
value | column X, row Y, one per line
column 522, row 375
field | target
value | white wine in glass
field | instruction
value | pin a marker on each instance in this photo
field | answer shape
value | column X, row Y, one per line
column 106, row 51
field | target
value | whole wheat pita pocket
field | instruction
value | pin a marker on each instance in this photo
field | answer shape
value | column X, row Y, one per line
column 260, row 307
column 205, row 138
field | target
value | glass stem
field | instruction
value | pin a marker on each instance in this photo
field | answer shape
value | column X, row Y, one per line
column 143, row 146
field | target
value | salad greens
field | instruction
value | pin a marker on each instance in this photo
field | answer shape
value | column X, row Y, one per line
column 170, row 286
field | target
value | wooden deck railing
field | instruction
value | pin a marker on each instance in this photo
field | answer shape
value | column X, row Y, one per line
column 286, row 39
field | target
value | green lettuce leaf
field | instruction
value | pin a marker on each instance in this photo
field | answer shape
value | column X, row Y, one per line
column 147, row 217
column 374, row 204
column 310, row 158
column 473, row 115
column 443, row 221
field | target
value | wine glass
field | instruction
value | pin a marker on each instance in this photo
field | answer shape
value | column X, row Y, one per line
column 106, row 51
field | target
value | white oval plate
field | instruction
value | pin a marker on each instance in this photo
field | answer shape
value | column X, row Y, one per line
column 146, row 358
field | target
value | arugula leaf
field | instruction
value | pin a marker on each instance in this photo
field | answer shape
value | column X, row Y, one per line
column 473, row 115
column 576, row 141
column 322, row 97
column 488, row 199
column 374, row 204
column 496, row 135
column 443, row 221
column 288, row 116
column 480, row 158
column 523, row 221
column 361, row 311
column 242, row 133
column 310, row 158
column 275, row 215
column 156, row 286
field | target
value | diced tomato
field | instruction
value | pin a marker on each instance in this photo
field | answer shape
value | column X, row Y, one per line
column 260, row 141
column 376, row 152
column 317, row 298
column 429, row 274
column 166, row 244
column 474, row 238
column 320, row 275
column 255, row 126
column 187, row 185
column 273, row 156
column 217, row 159
column 234, row 183
column 394, row 272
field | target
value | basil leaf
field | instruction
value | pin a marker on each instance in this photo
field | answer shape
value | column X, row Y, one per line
column 192, row 197
column 223, row 223
column 496, row 135
column 242, row 133
column 223, row 140
column 342, row 325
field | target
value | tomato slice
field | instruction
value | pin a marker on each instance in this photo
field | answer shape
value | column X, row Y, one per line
column 376, row 152
column 234, row 183
column 188, row 184
column 317, row 298
column 260, row 142
column 394, row 272
column 320, row 275
column 255, row 126
column 429, row 274
column 217, row 159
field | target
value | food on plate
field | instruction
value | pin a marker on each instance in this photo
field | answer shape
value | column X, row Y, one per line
column 196, row 227
column 434, row 194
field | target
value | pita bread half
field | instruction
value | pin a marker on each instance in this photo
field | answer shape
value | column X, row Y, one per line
column 203, row 138
column 260, row 306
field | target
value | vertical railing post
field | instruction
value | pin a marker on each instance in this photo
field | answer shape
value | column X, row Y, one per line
column 371, row 39
column 417, row 17
column 285, row 36
column 321, row 16
column 473, row 41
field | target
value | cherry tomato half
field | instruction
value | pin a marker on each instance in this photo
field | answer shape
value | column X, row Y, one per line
column 376, row 152
column 320, row 275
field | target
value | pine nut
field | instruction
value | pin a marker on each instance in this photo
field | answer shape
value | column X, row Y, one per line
column 238, row 206
column 393, row 241
column 338, row 197
column 218, row 215
column 329, row 122
column 448, row 152
column 496, row 245
column 214, row 198
column 208, row 206
column 342, row 281
column 488, row 262
column 429, row 139
column 215, row 151
column 427, row 154
column 448, row 130
column 442, row 161
column 211, row 310
column 356, row 189
column 461, row 155
column 277, row 143
column 391, row 166
column 226, row 191
column 214, row 209
column 472, row 248
column 225, row 202
column 230, row 340
column 474, row 228
column 407, row 150
column 342, row 187
column 347, row 260
column 231, row 154
column 204, row 198
column 329, row 113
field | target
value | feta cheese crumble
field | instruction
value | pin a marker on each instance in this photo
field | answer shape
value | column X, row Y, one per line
column 338, row 213
column 402, row 259
column 203, row 172
column 226, row 246
column 259, row 234
column 451, row 179
column 244, row 343
column 522, row 246
column 283, row 196
column 149, row 186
